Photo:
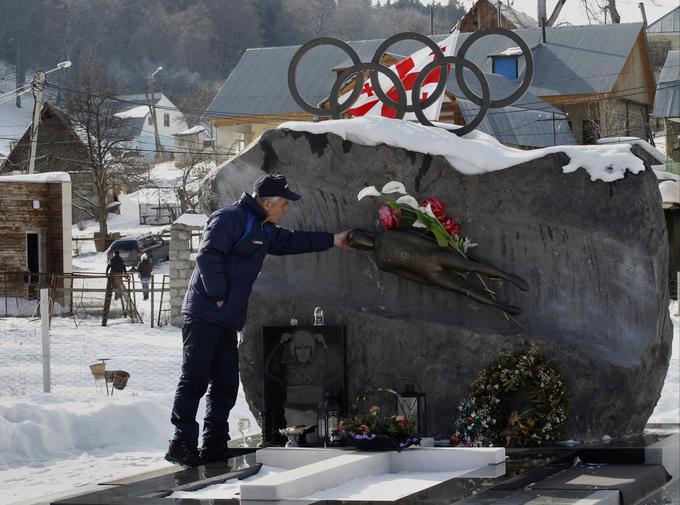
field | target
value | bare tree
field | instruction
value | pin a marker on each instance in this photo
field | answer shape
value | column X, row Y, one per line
column 555, row 13
column 92, row 114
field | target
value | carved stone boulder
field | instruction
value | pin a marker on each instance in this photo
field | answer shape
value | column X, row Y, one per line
column 594, row 255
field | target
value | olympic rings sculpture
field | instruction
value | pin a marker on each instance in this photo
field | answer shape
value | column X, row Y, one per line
column 401, row 105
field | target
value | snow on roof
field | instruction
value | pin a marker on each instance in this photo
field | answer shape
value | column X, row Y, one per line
column 476, row 152
column 139, row 111
column 195, row 220
column 670, row 191
column 191, row 131
column 518, row 18
column 37, row 178
column 510, row 51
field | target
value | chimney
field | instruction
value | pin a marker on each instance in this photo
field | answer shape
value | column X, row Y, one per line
column 644, row 14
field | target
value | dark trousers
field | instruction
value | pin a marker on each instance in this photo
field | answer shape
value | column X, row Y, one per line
column 210, row 356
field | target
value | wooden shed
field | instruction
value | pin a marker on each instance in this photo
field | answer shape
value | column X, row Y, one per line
column 35, row 229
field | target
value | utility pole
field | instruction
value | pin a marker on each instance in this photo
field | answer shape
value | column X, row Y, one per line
column 38, row 85
column 152, row 111
column 431, row 19
column 498, row 17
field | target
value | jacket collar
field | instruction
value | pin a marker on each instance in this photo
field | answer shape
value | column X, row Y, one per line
column 250, row 204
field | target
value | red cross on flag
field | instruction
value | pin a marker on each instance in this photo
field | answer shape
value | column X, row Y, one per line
column 368, row 103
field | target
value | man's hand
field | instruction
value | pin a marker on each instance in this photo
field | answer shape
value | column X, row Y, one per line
column 340, row 240
column 219, row 303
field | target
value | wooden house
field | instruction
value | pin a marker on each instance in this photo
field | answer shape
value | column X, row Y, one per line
column 484, row 14
column 59, row 149
column 35, row 229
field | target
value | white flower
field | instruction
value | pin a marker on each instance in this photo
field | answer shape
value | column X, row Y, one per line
column 368, row 191
column 467, row 244
column 428, row 210
column 394, row 187
column 408, row 200
column 419, row 224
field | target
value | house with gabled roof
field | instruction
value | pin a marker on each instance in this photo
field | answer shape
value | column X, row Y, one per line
column 255, row 97
column 484, row 14
column 138, row 121
column 666, row 29
column 59, row 149
column 596, row 78
column 667, row 105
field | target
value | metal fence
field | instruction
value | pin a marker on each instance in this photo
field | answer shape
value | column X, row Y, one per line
column 158, row 213
column 82, row 296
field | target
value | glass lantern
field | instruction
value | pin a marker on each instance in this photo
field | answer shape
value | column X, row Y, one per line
column 328, row 417
column 412, row 404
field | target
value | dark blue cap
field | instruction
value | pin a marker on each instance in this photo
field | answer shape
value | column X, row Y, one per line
column 273, row 185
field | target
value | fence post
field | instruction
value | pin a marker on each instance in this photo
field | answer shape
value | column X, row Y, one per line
column 45, row 323
column 152, row 289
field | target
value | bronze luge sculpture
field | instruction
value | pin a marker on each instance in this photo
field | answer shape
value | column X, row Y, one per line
column 416, row 257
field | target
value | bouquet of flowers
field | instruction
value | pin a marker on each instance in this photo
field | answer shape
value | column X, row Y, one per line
column 430, row 215
column 375, row 431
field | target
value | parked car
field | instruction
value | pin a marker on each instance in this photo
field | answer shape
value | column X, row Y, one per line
column 131, row 249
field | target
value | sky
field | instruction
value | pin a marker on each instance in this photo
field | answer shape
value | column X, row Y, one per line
column 574, row 12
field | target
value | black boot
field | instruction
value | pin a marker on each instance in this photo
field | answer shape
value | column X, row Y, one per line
column 181, row 453
column 212, row 453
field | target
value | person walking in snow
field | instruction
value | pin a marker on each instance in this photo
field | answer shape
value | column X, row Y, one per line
column 144, row 268
column 116, row 267
column 235, row 242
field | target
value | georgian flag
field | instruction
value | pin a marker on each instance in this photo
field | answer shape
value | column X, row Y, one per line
column 368, row 103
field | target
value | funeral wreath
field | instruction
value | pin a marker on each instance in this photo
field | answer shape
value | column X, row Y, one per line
column 486, row 418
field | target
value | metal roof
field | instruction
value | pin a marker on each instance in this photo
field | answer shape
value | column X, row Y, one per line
column 668, row 23
column 667, row 100
column 573, row 60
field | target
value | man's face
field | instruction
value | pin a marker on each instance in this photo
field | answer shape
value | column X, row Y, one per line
column 275, row 210
column 303, row 346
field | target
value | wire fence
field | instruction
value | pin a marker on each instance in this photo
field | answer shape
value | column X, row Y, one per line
column 83, row 296
column 77, row 338
column 152, row 359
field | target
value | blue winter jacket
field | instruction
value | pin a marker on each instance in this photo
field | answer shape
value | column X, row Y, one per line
column 230, row 256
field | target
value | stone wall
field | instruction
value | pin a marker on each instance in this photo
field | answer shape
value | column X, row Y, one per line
column 182, row 264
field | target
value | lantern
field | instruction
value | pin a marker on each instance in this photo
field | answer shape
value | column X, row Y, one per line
column 327, row 417
column 412, row 404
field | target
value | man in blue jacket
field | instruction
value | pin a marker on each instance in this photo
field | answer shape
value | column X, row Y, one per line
column 235, row 242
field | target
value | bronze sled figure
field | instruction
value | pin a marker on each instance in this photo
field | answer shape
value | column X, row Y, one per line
column 418, row 258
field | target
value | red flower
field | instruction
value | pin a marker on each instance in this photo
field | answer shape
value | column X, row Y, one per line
column 362, row 428
column 451, row 226
column 455, row 439
column 438, row 208
column 403, row 420
column 388, row 217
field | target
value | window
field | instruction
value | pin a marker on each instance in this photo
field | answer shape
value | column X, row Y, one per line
column 166, row 119
column 240, row 141
column 506, row 66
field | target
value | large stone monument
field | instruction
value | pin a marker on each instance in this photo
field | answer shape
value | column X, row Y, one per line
column 594, row 255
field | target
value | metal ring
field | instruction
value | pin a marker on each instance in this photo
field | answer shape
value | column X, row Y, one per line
column 292, row 68
column 358, row 69
column 459, row 62
column 390, row 41
column 528, row 72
